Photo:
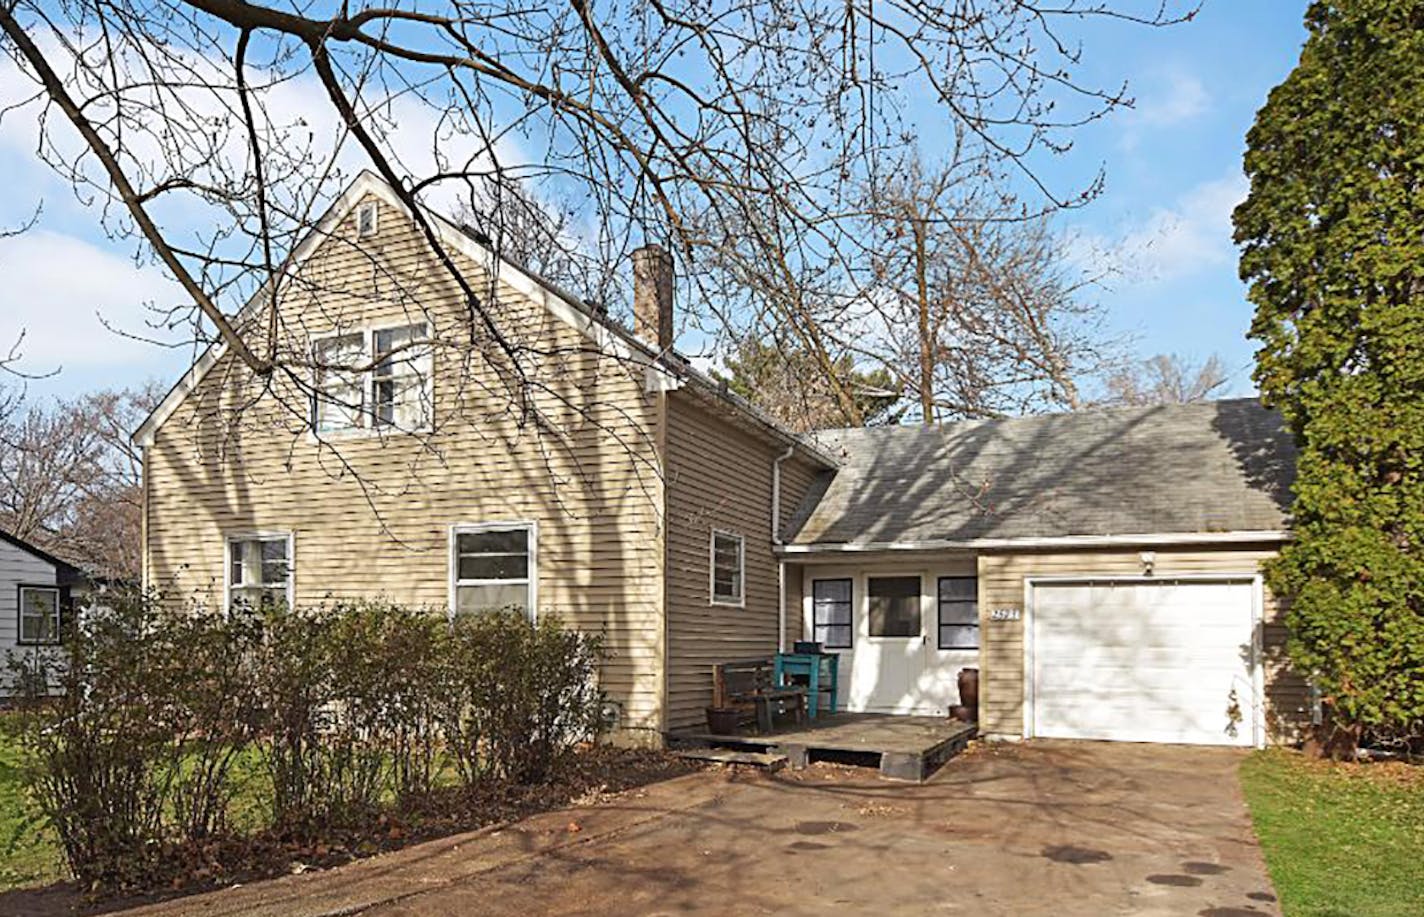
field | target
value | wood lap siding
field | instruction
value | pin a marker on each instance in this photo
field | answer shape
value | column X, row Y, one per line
column 1001, row 585
column 719, row 476
column 17, row 567
column 374, row 521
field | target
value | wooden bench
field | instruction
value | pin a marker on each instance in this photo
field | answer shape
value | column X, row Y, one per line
column 749, row 686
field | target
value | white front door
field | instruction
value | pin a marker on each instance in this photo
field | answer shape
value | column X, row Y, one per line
column 890, row 638
column 902, row 635
column 1162, row 661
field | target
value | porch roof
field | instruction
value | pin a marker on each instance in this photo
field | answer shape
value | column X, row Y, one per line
column 1197, row 470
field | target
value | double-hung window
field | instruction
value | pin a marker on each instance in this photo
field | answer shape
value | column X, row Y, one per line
column 341, row 392
column 831, row 603
column 493, row 567
column 39, row 615
column 375, row 380
column 259, row 571
column 728, row 560
column 958, row 613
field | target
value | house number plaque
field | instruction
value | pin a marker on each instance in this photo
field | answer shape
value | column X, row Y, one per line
column 1004, row 614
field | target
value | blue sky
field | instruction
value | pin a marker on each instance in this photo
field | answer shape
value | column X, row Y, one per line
column 1173, row 169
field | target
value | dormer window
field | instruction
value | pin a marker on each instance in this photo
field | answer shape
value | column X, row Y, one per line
column 366, row 220
column 377, row 379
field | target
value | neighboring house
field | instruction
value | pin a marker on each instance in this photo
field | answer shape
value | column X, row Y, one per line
column 688, row 529
column 35, row 592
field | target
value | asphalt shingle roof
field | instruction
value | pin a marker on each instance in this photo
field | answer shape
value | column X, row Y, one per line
column 1222, row 466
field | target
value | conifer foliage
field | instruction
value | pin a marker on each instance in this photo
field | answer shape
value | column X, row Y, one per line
column 1332, row 237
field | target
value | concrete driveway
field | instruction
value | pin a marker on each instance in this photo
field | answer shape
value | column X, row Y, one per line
column 1040, row 828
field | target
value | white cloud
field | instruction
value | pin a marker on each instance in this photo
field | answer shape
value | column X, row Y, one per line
column 1190, row 236
column 1193, row 234
column 1170, row 98
column 1176, row 97
column 56, row 289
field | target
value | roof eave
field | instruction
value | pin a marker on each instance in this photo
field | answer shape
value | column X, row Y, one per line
column 1142, row 539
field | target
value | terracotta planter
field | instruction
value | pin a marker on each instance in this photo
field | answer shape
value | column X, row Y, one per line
column 969, row 689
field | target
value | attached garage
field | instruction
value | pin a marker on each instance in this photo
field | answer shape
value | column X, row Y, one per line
column 1144, row 660
column 1118, row 556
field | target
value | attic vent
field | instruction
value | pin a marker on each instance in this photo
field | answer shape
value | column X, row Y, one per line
column 366, row 220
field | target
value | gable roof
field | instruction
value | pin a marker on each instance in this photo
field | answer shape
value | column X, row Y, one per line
column 667, row 371
column 1215, row 471
column 65, row 573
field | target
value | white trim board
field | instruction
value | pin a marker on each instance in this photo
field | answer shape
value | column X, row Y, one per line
column 367, row 183
column 1049, row 541
column 499, row 525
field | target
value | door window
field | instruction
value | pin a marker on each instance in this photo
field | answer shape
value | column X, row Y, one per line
column 894, row 605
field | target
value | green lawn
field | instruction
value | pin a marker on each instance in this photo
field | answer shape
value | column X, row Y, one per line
column 1341, row 840
column 29, row 854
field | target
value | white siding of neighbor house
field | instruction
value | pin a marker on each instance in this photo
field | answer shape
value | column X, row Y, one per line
column 17, row 567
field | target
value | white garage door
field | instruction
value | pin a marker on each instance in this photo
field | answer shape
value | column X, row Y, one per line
column 1165, row 661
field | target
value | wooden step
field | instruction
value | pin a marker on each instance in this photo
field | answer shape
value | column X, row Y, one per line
column 763, row 759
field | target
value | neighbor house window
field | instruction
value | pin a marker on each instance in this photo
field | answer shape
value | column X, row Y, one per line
column 377, row 379
column 729, row 558
column 259, row 571
column 894, row 605
column 831, row 602
column 493, row 567
column 958, row 613
column 39, row 615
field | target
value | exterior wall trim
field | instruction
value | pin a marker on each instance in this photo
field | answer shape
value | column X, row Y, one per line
column 1258, row 673
column 1056, row 541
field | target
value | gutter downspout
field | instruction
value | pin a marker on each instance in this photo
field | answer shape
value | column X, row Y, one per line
column 776, row 540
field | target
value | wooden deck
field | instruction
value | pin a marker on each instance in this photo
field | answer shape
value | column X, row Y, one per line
column 903, row 747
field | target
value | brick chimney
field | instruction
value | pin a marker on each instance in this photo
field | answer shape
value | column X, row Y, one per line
column 652, row 295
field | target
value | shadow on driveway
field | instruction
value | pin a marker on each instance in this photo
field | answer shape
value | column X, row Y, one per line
column 1040, row 828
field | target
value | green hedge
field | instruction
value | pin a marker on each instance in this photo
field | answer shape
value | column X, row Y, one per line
column 131, row 734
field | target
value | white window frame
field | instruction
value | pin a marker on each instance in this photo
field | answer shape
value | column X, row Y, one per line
column 20, row 614
column 741, row 599
column 453, row 561
column 367, row 413
column 939, row 615
column 850, row 626
column 367, row 207
column 230, row 537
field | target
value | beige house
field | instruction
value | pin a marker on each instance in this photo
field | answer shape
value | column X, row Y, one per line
column 568, row 466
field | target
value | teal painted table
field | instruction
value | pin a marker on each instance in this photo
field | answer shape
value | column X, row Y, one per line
column 821, row 674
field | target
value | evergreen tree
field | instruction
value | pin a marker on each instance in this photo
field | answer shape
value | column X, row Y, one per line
column 1332, row 238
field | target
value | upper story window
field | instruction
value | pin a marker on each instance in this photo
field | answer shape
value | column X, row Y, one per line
column 366, row 220
column 374, row 380
column 729, row 559
column 39, row 615
column 259, row 570
column 492, row 567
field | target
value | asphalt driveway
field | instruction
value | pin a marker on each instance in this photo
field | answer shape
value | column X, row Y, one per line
column 1040, row 828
